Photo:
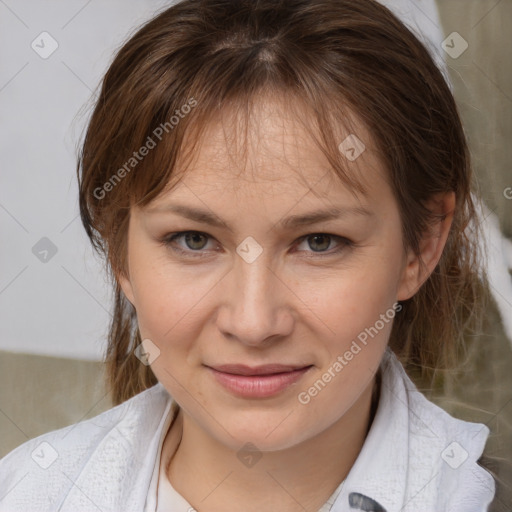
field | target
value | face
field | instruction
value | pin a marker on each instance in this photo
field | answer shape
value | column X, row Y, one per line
column 260, row 287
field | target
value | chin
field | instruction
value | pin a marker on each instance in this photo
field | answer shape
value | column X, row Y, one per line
column 267, row 435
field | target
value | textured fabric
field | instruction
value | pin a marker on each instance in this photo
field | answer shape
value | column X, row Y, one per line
column 416, row 458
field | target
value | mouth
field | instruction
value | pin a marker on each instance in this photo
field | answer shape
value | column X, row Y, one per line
column 260, row 381
column 267, row 369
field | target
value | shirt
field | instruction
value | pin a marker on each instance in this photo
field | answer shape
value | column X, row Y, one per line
column 415, row 458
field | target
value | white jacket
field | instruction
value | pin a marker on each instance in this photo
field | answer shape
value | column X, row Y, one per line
column 416, row 458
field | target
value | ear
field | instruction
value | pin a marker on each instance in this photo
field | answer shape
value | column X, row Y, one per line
column 126, row 286
column 431, row 247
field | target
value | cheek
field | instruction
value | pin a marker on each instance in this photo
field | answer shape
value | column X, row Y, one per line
column 360, row 318
column 359, row 315
column 168, row 299
column 349, row 299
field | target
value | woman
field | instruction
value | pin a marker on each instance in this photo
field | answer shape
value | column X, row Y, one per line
column 281, row 191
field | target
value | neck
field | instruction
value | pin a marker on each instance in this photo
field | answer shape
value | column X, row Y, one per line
column 209, row 475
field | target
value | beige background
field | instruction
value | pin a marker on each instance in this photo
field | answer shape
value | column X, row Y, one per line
column 39, row 394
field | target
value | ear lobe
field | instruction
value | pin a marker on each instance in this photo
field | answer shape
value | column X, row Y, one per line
column 415, row 273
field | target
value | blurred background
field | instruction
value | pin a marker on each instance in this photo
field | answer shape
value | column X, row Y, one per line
column 55, row 300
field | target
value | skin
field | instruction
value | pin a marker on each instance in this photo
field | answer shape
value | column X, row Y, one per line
column 282, row 308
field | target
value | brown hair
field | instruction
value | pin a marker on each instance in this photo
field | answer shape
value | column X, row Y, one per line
column 198, row 57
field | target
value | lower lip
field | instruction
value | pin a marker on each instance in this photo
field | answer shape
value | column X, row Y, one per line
column 258, row 386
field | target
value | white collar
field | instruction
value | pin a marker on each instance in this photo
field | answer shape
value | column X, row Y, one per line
column 408, row 461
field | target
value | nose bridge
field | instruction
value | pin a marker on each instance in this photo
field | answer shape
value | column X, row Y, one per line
column 254, row 279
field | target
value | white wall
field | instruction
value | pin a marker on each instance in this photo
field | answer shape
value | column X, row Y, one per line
column 60, row 307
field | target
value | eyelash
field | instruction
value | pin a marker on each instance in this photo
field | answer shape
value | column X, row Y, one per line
column 168, row 240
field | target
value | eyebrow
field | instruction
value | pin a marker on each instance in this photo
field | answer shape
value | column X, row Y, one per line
column 291, row 222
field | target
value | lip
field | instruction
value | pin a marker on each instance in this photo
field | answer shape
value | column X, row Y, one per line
column 265, row 369
column 257, row 382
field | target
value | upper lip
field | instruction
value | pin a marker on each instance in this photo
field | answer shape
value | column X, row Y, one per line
column 266, row 369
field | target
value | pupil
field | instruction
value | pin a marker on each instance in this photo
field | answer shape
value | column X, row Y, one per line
column 324, row 237
column 194, row 237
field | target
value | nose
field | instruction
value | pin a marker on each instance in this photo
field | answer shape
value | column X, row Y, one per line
column 257, row 308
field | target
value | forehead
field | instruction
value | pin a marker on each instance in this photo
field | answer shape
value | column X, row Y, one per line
column 271, row 149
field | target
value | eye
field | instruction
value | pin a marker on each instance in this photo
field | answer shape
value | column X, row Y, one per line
column 320, row 242
column 196, row 241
